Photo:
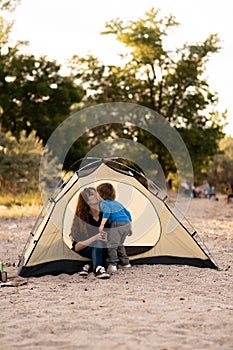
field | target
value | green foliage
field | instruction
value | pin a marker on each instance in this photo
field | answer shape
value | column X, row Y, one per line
column 18, row 201
column 34, row 94
column 20, row 161
column 171, row 83
column 6, row 6
column 144, row 36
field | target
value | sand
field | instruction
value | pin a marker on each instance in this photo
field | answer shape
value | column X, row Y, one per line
column 147, row 307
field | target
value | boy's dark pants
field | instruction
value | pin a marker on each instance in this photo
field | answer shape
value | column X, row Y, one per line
column 116, row 237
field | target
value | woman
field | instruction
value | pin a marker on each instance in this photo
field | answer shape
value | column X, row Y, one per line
column 88, row 241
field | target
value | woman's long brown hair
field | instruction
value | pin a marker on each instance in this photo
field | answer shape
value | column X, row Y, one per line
column 83, row 209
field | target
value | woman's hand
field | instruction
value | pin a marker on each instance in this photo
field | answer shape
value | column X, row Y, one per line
column 102, row 236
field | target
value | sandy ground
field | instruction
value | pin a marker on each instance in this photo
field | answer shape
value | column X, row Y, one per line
column 147, row 307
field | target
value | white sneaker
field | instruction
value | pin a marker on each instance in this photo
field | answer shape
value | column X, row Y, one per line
column 101, row 273
column 85, row 270
column 112, row 269
column 126, row 266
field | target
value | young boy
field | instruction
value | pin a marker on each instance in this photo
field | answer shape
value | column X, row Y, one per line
column 121, row 226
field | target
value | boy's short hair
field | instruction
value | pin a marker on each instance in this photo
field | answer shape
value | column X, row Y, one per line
column 106, row 191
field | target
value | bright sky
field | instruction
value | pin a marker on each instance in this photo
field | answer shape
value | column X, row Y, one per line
column 62, row 28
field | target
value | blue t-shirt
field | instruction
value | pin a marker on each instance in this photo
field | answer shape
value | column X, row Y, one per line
column 114, row 211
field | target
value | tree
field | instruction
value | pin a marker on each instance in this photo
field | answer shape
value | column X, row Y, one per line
column 35, row 96
column 171, row 83
column 6, row 6
column 20, row 161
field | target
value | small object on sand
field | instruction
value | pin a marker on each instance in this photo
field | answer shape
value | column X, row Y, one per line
column 3, row 275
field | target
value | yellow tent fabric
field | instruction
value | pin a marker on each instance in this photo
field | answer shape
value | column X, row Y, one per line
column 158, row 236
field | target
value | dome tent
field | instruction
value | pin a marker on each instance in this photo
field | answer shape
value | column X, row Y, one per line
column 159, row 237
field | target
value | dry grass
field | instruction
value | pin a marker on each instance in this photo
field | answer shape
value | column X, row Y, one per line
column 19, row 210
column 26, row 204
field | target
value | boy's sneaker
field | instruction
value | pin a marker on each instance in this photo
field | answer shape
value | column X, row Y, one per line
column 85, row 271
column 101, row 273
column 112, row 269
column 127, row 266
